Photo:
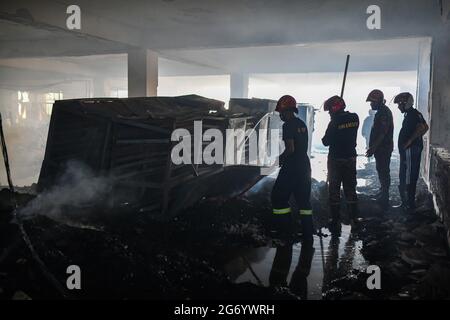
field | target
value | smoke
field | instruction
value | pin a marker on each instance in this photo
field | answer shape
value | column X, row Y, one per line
column 78, row 188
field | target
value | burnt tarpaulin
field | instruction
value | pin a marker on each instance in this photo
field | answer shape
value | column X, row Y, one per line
column 129, row 141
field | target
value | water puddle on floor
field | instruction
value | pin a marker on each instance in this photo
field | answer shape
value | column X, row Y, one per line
column 362, row 182
column 307, row 271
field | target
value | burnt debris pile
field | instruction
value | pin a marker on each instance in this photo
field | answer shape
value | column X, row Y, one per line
column 134, row 255
column 130, row 254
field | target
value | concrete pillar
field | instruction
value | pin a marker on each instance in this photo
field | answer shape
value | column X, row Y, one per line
column 142, row 73
column 239, row 85
column 423, row 97
column 440, row 97
column 99, row 89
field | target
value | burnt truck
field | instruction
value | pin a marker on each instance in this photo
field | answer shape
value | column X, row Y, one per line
column 131, row 142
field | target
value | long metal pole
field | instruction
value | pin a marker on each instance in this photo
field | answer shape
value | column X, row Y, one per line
column 6, row 160
column 345, row 76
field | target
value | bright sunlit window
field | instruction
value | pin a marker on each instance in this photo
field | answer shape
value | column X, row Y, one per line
column 119, row 93
column 50, row 99
column 23, row 100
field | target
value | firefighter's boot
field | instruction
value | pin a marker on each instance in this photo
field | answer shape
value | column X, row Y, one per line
column 354, row 216
column 335, row 221
column 403, row 196
column 384, row 199
column 308, row 229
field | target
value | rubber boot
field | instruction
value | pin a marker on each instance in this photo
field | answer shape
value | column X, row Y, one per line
column 384, row 200
column 403, row 200
column 354, row 216
column 335, row 221
column 308, row 229
column 410, row 199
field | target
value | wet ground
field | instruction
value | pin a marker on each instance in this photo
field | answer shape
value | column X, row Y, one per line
column 328, row 258
column 222, row 249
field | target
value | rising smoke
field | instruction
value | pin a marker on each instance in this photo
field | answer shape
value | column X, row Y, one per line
column 78, row 188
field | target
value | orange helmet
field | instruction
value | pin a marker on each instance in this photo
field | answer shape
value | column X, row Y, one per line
column 286, row 103
column 334, row 104
column 375, row 96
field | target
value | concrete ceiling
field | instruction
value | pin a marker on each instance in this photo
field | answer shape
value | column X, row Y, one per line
column 19, row 39
column 189, row 24
column 204, row 37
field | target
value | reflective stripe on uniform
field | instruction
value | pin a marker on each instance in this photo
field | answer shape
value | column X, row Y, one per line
column 282, row 211
column 306, row 212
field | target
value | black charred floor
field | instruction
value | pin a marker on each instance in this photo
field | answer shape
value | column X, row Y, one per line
column 128, row 255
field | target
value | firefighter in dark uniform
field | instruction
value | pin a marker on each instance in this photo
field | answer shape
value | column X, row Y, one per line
column 341, row 137
column 410, row 146
column 381, row 144
column 294, row 177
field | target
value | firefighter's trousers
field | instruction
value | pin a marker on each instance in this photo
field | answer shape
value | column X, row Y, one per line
column 292, row 181
column 342, row 172
column 383, row 162
column 409, row 173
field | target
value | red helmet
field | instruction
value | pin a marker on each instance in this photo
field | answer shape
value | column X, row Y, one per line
column 334, row 104
column 286, row 103
column 375, row 96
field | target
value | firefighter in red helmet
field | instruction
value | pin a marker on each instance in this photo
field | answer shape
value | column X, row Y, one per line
column 381, row 143
column 341, row 136
column 294, row 177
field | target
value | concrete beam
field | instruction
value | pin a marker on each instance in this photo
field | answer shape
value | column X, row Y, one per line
column 56, row 47
column 142, row 73
column 47, row 65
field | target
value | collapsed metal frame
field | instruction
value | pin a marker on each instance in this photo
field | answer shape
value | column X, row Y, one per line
column 128, row 140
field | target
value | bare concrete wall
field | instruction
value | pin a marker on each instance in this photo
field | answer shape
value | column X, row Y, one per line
column 440, row 126
column 440, row 113
column 440, row 184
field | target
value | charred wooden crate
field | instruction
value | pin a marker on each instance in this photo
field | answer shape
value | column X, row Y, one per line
column 129, row 141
